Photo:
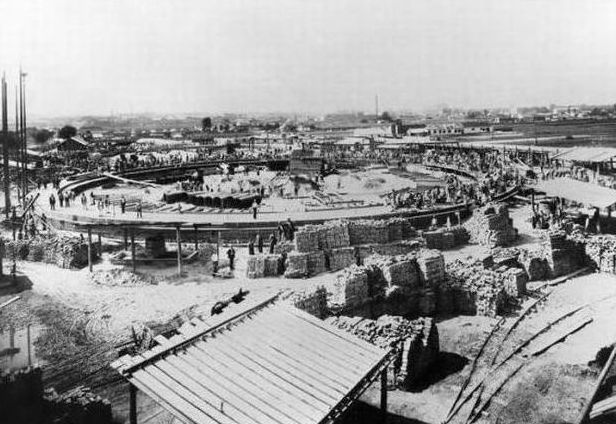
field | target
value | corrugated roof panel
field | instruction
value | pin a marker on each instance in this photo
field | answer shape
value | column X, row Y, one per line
column 270, row 364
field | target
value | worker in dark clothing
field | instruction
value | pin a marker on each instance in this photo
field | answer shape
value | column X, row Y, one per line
column 231, row 256
column 291, row 229
column 251, row 247
column 259, row 243
column 123, row 204
column 272, row 243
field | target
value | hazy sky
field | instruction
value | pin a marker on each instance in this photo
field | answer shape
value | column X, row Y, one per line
column 98, row 56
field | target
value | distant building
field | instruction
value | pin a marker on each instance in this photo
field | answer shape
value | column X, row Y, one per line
column 73, row 144
column 477, row 127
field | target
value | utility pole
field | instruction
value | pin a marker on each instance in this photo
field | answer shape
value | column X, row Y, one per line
column 5, row 149
column 24, row 159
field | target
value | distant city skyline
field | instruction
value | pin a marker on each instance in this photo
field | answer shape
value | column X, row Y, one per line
column 93, row 57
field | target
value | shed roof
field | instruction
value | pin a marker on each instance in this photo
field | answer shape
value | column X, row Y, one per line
column 272, row 363
column 587, row 154
column 578, row 191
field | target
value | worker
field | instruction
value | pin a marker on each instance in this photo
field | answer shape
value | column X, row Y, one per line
column 254, row 209
column 272, row 243
column 231, row 256
column 123, row 204
column 291, row 229
column 259, row 242
column 214, row 263
column 251, row 247
column 139, row 210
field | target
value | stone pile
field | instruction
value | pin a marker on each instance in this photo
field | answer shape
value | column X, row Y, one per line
column 77, row 406
column 491, row 226
column 350, row 289
column 476, row 290
column 331, row 235
column 264, row 265
column 340, row 258
column 416, row 343
column 563, row 255
column 446, row 238
column 313, row 301
column 283, row 247
column 396, row 270
column 431, row 265
column 121, row 277
column 390, row 249
column 601, row 252
column 64, row 251
column 368, row 232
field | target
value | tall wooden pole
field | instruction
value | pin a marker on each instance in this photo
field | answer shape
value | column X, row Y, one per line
column 90, row 249
column 178, row 237
column 21, row 136
column 132, row 404
column 384, row 396
column 132, row 248
column 25, row 135
column 5, row 149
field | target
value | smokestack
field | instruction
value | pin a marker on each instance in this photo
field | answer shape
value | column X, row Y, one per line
column 5, row 149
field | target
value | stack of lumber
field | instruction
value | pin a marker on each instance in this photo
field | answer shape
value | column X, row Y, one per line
column 350, row 288
column 431, row 267
column 77, row 406
column 415, row 342
column 341, row 258
column 396, row 270
column 312, row 300
column 491, row 226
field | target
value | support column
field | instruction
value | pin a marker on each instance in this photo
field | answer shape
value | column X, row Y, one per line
column 196, row 239
column 384, row 396
column 125, row 239
column 178, row 237
column 132, row 248
column 90, row 249
column 100, row 243
column 132, row 404
column 218, row 246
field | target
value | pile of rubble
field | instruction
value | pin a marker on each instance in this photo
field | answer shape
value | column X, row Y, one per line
column 122, row 277
column 416, row 343
column 313, row 301
column 601, row 252
column 77, row 406
column 63, row 251
column 491, row 226
column 563, row 254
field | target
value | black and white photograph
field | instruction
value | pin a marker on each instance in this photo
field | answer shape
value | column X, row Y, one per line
column 308, row 212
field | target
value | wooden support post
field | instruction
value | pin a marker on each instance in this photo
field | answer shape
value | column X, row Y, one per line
column 125, row 239
column 178, row 237
column 583, row 417
column 132, row 248
column 384, row 396
column 132, row 404
column 100, row 243
column 218, row 246
column 90, row 249
column 196, row 239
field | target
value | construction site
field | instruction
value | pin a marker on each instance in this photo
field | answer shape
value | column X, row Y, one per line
column 411, row 264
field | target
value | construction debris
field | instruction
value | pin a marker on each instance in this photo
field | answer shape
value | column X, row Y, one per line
column 416, row 343
column 122, row 277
